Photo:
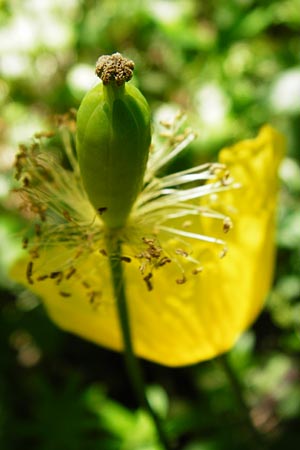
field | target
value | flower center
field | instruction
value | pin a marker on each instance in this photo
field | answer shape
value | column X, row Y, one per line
column 163, row 232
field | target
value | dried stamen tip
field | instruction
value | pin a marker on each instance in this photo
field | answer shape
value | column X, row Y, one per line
column 114, row 68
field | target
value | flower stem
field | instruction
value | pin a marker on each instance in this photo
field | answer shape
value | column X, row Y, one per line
column 238, row 391
column 132, row 363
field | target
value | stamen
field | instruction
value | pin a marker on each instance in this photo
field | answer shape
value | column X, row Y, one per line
column 174, row 145
column 175, row 152
column 197, row 236
column 157, row 233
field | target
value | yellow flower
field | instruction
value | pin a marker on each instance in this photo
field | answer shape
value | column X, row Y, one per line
column 190, row 292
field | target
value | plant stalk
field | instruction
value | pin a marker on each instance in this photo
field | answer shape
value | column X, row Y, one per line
column 132, row 364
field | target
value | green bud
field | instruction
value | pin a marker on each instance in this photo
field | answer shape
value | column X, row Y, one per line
column 113, row 140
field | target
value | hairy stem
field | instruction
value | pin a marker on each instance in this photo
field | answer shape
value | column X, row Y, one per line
column 132, row 363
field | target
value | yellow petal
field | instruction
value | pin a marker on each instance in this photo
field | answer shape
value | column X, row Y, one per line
column 178, row 324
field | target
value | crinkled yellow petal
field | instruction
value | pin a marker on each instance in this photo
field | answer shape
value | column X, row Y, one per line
column 182, row 324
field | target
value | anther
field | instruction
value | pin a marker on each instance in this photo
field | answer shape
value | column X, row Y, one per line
column 163, row 261
column 58, row 276
column 67, row 216
column 42, row 277
column 154, row 252
column 223, row 252
column 26, row 182
column 102, row 210
column 186, row 224
column 148, row 241
column 179, row 138
column 64, row 294
column 142, row 267
column 227, row 224
column 225, row 179
column 165, row 124
column 165, row 134
column 44, row 134
column 147, row 279
column 70, row 273
column 34, row 253
column 181, row 252
column 126, row 259
column 92, row 297
column 37, row 228
column 42, row 213
column 29, row 272
column 54, row 275
column 25, row 243
column 78, row 253
column 181, row 280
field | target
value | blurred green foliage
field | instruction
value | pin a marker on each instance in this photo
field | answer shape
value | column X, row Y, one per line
column 233, row 65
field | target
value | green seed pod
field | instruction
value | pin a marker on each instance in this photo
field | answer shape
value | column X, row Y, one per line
column 113, row 140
